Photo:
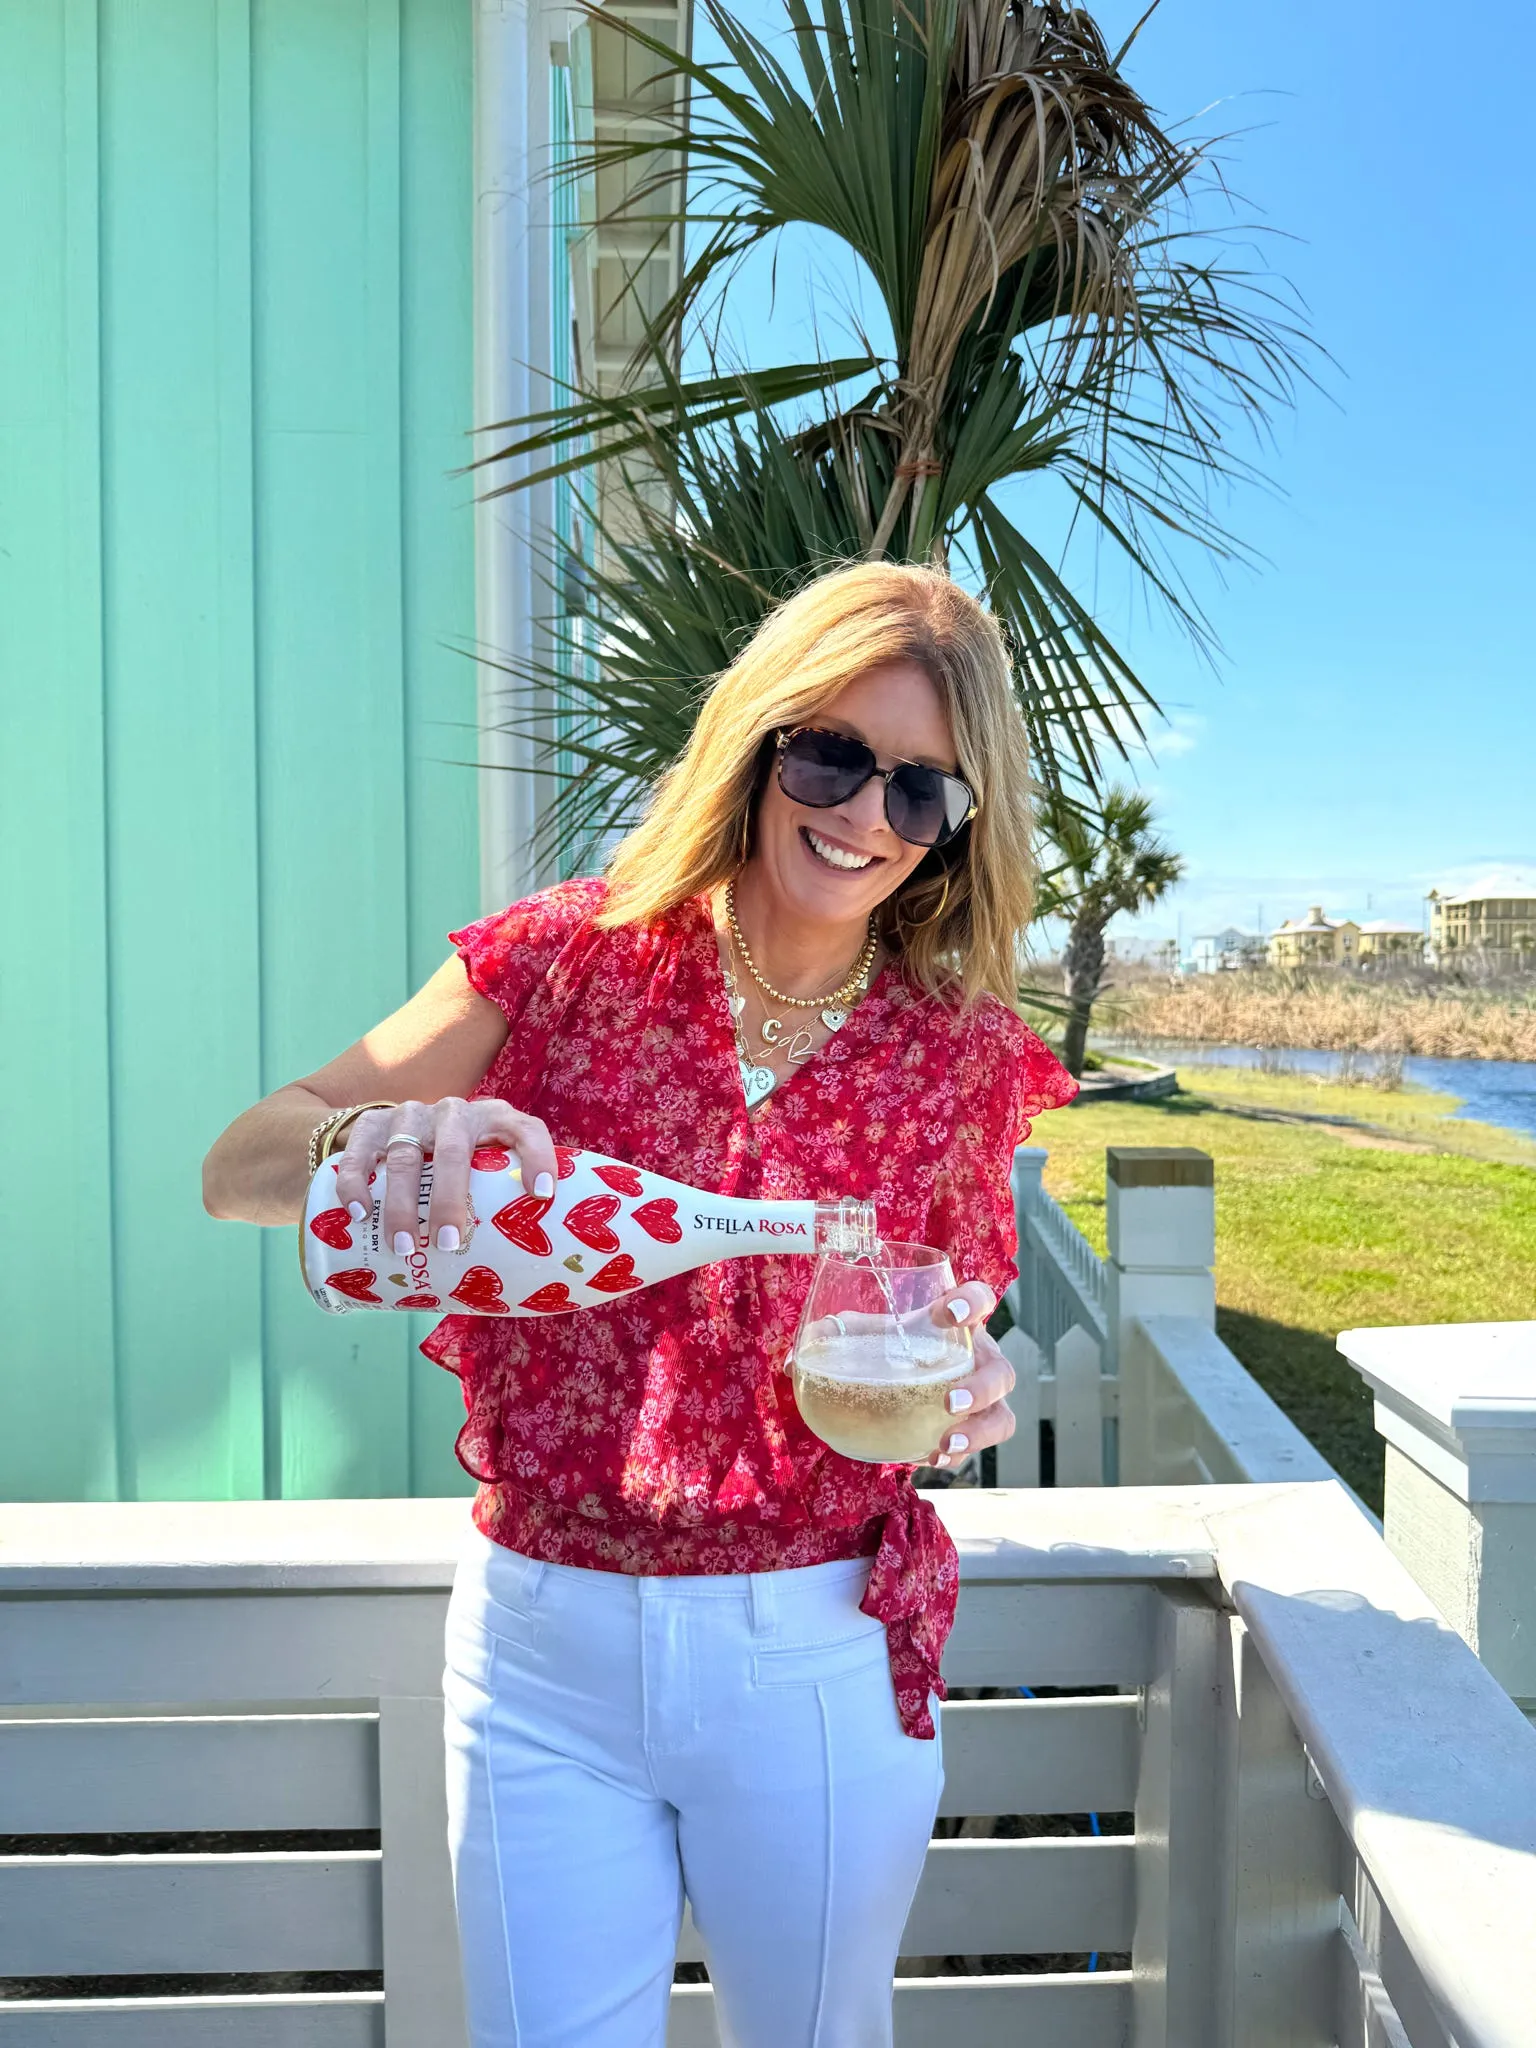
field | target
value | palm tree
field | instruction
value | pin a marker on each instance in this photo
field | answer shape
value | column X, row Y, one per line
column 1026, row 222
column 1106, row 862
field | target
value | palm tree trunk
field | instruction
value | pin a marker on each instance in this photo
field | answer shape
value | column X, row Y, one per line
column 1082, row 971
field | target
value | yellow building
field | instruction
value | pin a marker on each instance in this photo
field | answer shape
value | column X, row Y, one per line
column 1489, row 921
column 1383, row 940
column 1314, row 941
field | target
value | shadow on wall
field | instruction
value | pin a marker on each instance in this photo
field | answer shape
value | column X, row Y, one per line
column 1325, row 1398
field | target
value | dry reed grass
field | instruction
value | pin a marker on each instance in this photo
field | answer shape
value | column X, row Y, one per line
column 1324, row 1016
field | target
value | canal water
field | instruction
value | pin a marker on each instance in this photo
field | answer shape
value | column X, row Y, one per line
column 1501, row 1092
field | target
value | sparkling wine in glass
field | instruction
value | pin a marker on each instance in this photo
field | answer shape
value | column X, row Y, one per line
column 877, row 1352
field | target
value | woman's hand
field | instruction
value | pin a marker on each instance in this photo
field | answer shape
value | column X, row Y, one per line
column 449, row 1132
column 979, row 1401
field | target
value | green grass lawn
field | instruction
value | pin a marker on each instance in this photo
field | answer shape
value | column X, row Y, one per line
column 1322, row 1228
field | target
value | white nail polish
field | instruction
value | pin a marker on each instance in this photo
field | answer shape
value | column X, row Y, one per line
column 960, row 1309
column 941, row 1459
column 544, row 1186
column 405, row 1244
column 448, row 1238
column 356, row 1211
column 959, row 1444
column 960, row 1400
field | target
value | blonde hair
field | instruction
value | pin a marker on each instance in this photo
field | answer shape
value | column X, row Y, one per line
column 696, row 828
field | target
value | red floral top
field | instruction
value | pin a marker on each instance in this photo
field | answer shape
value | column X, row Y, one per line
column 659, row 1434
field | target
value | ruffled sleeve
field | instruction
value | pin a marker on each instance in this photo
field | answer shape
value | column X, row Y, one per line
column 508, row 955
column 1008, row 1078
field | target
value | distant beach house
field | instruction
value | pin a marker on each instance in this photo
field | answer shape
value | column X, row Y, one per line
column 1383, row 940
column 1225, row 951
column 1495, row 922
column 1314, row 941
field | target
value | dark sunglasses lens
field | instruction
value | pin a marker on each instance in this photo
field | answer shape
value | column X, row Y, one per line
column 823, row 768
column 926, row 806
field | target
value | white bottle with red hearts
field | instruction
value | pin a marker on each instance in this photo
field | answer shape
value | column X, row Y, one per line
column 608, row 1229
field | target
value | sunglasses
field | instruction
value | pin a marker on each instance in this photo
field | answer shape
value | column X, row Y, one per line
column 923, row 805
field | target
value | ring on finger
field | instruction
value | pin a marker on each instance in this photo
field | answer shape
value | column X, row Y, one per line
column 406, row 1138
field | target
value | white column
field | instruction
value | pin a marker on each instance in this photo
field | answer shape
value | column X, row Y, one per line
column 1160, row 1203
column 512, row 345
column 1161, row 1222
column 1456, row 1403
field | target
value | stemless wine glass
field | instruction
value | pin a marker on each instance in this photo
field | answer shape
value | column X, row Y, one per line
column 872, row 1360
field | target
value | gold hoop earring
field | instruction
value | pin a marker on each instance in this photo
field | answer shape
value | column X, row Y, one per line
column 745, row 835
column 916, row 924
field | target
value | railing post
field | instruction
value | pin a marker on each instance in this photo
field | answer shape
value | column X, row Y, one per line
column 1456, row 1403
column 1279, row 1857
column 1173, row 1951
column 1160, row 1214
column 423, row 1993
column 1028, row 1169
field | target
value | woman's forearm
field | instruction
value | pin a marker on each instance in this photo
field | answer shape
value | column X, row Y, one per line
column 257, row 1171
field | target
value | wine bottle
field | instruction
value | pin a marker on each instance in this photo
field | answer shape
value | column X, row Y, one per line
column 608, row 1229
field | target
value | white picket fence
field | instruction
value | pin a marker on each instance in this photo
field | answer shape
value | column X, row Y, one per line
column 1136, row 1395
column 1332, row 1805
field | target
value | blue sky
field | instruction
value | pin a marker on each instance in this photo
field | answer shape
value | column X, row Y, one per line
column 1370, row 729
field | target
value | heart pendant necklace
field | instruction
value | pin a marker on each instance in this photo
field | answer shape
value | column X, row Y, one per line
column 757, row 1082
column 758, row 1079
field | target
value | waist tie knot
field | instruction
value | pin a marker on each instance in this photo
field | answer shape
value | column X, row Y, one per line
column 913, row 1586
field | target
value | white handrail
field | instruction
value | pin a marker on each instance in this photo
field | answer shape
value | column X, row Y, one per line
column 1190, row 1414
column 1428, row 1764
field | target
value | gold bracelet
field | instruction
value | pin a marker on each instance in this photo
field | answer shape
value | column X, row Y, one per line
column 322, row 1139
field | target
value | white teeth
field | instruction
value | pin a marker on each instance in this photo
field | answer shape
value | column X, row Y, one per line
column 834, row 856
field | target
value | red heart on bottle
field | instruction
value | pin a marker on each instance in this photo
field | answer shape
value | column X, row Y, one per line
column 418, row 1301
column 333, row 1227
column 551, row 1300
column 565, row 1161
column 519, row 1221
column 588, row 1222
column 617, row 1277
column 480, row 1289
column 490, row 1159
column 622, row 1178
column 356, row 1284
column 658, row 1219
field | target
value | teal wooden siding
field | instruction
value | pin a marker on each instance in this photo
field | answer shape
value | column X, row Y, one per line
column 236, row 578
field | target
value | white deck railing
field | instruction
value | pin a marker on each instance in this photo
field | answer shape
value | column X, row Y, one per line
column 1120, row 1355
column 1333, row 1805
column 1061, row 1283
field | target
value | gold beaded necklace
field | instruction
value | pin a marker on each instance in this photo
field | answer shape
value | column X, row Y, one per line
column 757, row 1078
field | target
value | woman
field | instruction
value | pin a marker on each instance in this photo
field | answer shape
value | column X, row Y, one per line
column 690, row 1648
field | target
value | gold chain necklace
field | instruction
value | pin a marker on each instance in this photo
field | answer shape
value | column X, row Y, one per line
column 758, row 1080
column 838, row 999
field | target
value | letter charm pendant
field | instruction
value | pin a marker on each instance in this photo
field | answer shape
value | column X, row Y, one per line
column 757, row 1083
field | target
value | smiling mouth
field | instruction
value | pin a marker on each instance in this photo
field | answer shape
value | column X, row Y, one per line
column 841, row 859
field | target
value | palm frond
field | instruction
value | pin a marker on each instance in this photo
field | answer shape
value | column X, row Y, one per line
column 1058, row 309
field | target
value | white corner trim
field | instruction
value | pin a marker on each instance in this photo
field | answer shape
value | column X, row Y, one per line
column 511, row 344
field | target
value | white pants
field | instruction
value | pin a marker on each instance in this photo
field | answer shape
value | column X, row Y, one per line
column 616, row 1742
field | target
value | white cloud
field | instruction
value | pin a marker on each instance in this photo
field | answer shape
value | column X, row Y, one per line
column 1181, row 737
column 1178, row 734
